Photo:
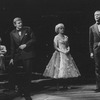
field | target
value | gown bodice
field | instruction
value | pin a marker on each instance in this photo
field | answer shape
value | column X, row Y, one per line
column 63, row 43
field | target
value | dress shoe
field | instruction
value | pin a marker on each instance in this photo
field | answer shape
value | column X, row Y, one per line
column 28, row 98
column 97, row 90
column 21, row 93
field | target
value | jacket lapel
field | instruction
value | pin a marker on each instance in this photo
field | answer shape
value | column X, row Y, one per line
column 16, row 36
column 96, row 29
column 22, row 35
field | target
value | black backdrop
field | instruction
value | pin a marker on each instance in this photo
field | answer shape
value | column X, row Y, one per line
column 42, row 16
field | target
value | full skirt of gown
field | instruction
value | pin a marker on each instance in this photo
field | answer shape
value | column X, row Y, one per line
column 61, row 66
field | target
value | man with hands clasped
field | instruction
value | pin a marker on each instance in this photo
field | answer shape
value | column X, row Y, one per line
column 22, row 51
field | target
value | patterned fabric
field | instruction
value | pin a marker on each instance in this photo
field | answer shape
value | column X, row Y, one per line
column 68, row 67
column 61, row 65
column 2, row 65
column 52, row 68
column 2, row 51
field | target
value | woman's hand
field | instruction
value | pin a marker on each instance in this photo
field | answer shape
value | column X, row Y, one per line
column 67, row 50
column 63, row 50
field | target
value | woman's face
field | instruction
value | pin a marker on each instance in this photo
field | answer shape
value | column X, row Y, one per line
column 61, row 30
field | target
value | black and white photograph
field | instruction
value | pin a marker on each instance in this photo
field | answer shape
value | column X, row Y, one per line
column 49, row 50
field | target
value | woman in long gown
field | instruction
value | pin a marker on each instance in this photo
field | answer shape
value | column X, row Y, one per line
column 61, row 64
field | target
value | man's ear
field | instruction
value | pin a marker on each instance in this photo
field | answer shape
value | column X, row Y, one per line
column 14, row 24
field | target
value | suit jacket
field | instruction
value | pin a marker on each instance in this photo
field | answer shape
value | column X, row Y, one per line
column 94, row 39
column 27, row 37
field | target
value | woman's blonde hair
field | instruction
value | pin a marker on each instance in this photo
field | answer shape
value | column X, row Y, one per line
column 58, row 26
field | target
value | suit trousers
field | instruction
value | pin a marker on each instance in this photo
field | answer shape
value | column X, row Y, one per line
column 97, row 68
column 23, row 82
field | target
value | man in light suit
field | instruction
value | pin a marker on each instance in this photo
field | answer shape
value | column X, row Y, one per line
column 94, row 46
column 22, row 51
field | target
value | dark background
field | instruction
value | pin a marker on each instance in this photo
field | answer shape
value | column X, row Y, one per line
column 42, row 16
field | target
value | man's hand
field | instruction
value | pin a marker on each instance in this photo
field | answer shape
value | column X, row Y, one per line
column 22, row 46
column 11, row 61
column 1, row 52
column 99, row 44
column 92, row 55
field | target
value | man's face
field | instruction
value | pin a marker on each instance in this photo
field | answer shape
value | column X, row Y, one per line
column 97, row 16
column 18, row 24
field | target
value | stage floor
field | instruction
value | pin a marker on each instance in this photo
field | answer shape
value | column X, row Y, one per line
column 77, row 92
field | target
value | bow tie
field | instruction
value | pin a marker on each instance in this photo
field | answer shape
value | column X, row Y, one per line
column 98, row 23
column 19, row 30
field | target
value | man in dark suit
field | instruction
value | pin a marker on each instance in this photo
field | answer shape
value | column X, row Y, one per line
column 22, row 51
column 94, row 45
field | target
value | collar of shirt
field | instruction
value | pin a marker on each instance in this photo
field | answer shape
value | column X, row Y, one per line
column 19, row 33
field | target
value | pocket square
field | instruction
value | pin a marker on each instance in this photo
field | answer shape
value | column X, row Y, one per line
column 25, row 33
